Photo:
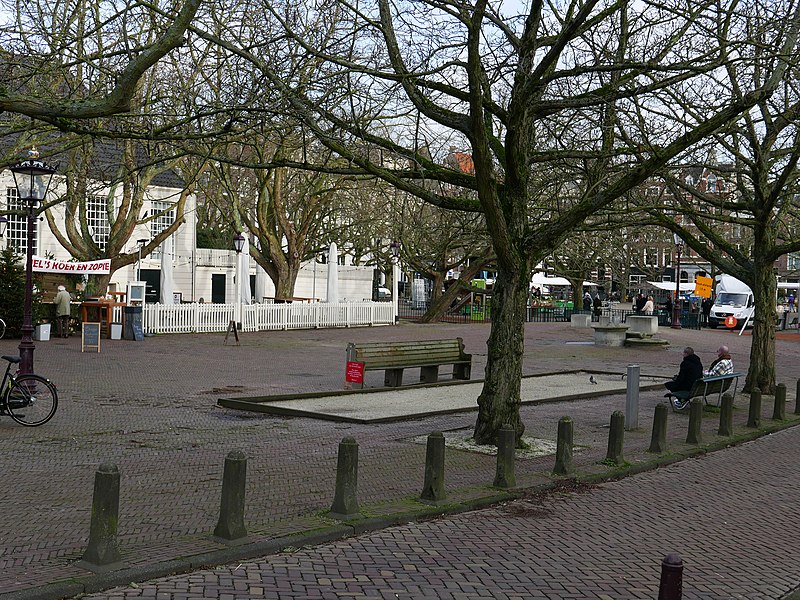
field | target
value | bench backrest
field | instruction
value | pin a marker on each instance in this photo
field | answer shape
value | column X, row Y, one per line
column 388, row 354
column 718, row 386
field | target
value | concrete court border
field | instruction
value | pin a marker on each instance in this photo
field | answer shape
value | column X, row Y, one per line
column 255, row 404
column 247, row 550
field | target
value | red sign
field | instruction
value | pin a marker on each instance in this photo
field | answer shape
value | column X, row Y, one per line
column 730, row 322
column 354, row 372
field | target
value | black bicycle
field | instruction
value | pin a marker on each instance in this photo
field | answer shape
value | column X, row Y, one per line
column 29, row 399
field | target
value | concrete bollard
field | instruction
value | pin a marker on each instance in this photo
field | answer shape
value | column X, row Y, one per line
column 797, row 399
column 433, row 488
column 103, row 548
column 564, row 465
column 632, row 399
column 671, row 585
column 231, row 509
column 779, row 410
column 726, row 415
column 616, row 437
column 658, row 441
column 694, row 434
column 345, row 498
column 505, row 476
column 754, row 416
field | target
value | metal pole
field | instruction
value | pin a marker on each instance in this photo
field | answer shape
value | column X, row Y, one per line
column 676, row 309
column 395, row 287
column 26, row 345
column 632, row 399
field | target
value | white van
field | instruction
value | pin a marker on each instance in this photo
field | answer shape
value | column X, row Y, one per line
column 734, row 299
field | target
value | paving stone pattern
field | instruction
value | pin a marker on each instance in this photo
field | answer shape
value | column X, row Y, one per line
column 735, row 535
column 150, row 407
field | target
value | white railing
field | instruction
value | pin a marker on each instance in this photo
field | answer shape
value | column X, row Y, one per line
column 206, row 318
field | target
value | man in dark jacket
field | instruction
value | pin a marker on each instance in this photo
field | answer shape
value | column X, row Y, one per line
column 690, row 371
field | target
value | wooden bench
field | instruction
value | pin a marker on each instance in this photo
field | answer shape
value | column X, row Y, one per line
column 394, row 357
column 702, row 388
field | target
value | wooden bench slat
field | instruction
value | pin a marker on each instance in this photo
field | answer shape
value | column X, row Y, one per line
column 428, row 355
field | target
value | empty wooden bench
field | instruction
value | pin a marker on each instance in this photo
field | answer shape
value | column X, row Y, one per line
column 705, row 387
column 395, row 357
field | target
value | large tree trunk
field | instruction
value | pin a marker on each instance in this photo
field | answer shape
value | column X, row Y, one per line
column 499, row 401
column 761, row 373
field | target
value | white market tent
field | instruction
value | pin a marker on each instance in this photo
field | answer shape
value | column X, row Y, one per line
column 542, row 279
column 670, row 286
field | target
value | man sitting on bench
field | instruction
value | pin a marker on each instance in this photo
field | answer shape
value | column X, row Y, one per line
column 722, row 366
column 690, row 371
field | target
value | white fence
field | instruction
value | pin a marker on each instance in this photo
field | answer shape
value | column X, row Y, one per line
column 205, row 318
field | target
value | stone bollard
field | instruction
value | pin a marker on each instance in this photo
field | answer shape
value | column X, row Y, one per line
column 726, row 415
column 345, row 499
column 754, row 416
column 658, row 441
column 505, row 476
column 797, row 399
column 616, row 436
column 671, row 585
column 779, row 411
column 694, row 433
column 433, row 488
column 632, row 399
column 564, row 464
column 231, row 509
column 103, row 549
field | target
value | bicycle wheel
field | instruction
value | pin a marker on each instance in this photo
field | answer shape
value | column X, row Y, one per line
column 2, row 328
column 31, row 400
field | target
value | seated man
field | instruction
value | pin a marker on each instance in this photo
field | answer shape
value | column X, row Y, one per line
column 722, row 366
column 691, row 370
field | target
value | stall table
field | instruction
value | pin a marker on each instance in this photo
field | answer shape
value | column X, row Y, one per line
column 105, row 313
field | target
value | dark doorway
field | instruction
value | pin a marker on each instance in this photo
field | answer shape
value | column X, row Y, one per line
column 152, row 277
column 218, row 289
column 253, row 289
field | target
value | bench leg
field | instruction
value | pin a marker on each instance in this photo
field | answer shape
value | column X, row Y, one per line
column 462, row 371
column 393, row 378
column 429, row 374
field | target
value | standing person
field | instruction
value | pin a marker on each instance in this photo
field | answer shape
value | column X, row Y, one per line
column 668, row 306
column 587, row 302
column 648, row 307
column 62, row 301
column 791, row 302
column 640, row 302
column 706, row 307
column 598, row 305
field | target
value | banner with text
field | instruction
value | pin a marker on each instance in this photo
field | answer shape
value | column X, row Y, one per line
column 49, row 265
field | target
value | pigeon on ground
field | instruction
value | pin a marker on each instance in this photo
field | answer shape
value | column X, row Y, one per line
column 592, row 380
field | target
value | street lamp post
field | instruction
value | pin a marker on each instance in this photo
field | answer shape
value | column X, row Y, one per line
column 32, row 180
column 676, row 307
column 238, row 243
column 395, row 248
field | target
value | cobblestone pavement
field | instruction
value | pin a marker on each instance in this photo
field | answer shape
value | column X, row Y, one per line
column 150, row 407
column 736, row 534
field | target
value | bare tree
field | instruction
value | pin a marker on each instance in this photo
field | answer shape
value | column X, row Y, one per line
column 554, row 95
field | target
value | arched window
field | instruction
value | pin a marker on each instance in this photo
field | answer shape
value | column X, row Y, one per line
column 711, row 187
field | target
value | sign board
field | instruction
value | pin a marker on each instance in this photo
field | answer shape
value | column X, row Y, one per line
column 354, row 373
column 90, row 336
column 702, row 286
column 177, row 297
column 136, row 327
column 136, row 292
column 231, row 329
column 49, row 265
column 730, row 322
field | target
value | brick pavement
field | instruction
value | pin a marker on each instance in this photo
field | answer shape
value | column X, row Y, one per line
column 736, row 534
column 150, row 408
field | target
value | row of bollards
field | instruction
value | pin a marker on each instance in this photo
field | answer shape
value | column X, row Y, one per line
column 103, row 549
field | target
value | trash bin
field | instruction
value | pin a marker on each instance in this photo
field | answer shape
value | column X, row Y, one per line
column 42, row 332
column 133, row 321
column 116, row 331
